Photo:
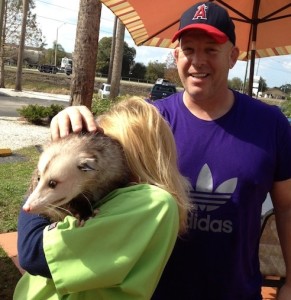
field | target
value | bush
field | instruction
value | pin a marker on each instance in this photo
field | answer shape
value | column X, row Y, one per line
column 54, row 109
column 286, row 108
column 100, row 106
column 38, row 114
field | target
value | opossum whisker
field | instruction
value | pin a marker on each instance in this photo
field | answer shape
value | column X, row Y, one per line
column 89, row 202
column 56, row 209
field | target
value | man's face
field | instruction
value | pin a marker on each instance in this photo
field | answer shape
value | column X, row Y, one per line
column 203, row 65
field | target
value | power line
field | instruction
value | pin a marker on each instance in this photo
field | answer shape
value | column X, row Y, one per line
column 66, row 8
column 55, row 20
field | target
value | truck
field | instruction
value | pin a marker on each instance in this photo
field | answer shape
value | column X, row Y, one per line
column 67, row 65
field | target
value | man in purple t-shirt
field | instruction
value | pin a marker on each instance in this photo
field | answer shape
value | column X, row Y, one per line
column 235, row 150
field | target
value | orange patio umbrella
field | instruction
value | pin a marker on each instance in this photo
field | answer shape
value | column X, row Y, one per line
column 263, row 27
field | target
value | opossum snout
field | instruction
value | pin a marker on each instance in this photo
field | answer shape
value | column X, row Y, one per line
column 26, row 207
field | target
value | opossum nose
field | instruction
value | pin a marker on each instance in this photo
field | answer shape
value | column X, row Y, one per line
column 26, row 208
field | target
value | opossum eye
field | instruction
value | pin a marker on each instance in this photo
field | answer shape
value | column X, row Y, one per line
column 52, row 184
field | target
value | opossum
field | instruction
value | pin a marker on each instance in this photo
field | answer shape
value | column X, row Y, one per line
column 74, row 174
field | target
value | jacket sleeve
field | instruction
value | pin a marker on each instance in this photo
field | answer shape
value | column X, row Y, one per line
column 30, row 244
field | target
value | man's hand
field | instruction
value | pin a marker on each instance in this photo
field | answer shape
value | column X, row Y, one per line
column 72, row 119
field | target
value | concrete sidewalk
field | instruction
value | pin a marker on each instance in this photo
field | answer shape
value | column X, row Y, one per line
column 8, row 241
column 36, row 95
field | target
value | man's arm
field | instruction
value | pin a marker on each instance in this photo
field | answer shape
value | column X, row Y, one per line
column 281, row 197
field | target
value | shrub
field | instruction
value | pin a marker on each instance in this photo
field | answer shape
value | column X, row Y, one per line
column 100, row 106
column 54, row 109
column 286, row 108
column 38, row 114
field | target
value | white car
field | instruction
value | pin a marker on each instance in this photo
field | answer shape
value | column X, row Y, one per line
column 104, row 91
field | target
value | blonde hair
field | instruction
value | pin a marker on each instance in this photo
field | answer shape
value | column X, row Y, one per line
column 149, row 148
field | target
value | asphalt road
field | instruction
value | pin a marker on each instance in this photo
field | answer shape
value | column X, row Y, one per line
column 10, row 104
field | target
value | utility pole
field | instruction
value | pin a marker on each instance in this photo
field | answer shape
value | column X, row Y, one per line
column 56, row 45
column 21, row 47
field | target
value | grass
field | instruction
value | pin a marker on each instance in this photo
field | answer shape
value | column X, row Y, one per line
column 15, row 177
column 33, row 80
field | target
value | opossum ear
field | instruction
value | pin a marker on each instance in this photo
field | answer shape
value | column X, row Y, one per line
column 87, row 164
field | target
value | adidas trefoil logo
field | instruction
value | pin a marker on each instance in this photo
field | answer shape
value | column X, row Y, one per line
column 207, row 199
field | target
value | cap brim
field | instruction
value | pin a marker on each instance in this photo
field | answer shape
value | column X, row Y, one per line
column 216, row 34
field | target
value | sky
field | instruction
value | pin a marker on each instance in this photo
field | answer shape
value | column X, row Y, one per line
column 58, row 21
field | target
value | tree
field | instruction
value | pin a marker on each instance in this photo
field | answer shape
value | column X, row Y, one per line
column 59, row 54
column 138, row 71
column 2, row 12
column 21, row 47
column 11, row 33
column 13, row 20
column 262, row 85
column 155, row 70
column 103, row 57
column 117, row 61
column 129, row 54
column 286, row 88
column 85, row 53
column 112, row 50
column 171, row 71
column 235, row 83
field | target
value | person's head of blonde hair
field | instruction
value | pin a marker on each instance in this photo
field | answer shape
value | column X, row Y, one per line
column 149, row 148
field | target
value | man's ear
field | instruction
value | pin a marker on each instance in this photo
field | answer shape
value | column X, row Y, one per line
column 233, row 56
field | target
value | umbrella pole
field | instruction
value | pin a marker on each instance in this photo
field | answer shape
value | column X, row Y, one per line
column 252, row 70
column 254, row 39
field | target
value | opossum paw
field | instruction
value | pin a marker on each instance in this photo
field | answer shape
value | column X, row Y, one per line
column 81, row 223
column 95, row 212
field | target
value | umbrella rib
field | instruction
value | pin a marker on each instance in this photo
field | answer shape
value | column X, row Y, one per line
column 245, row 18
column 278, row 11
column 264, row 20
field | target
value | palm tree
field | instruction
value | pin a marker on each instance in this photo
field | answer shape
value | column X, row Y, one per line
column 117, row 62
column 18, row 86
column 2, row 12
column 85, row 53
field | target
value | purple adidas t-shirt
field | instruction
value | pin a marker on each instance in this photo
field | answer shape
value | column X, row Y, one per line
column 231, row 163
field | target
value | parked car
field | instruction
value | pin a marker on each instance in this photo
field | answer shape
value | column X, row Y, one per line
column 48, row 69
column 104, row 91
column 68, row 70
column 162, row 90
column 161, row 81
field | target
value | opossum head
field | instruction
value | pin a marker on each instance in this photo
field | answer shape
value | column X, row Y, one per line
column 79, row 169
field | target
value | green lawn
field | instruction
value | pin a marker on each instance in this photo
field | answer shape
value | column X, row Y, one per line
column 15, row 176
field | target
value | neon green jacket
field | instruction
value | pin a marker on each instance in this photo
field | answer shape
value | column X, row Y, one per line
column 119, row 254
